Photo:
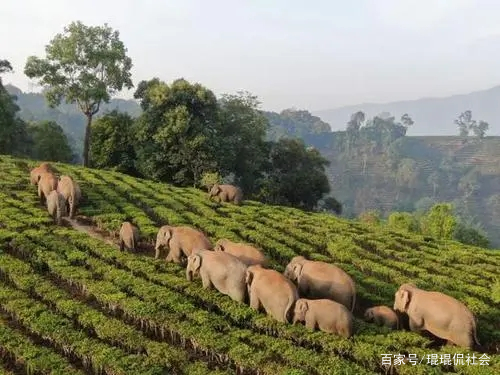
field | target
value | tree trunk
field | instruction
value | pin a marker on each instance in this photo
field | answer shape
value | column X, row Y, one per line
column 86, row 142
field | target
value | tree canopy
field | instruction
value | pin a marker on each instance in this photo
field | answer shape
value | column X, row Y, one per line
column 49, row 142
column 85, row 65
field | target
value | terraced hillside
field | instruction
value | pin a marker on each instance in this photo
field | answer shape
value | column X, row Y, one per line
column 71, row 303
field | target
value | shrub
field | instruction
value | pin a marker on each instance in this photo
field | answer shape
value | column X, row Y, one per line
column 403, row 221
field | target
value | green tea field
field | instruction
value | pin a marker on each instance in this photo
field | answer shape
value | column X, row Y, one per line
column 72, row 303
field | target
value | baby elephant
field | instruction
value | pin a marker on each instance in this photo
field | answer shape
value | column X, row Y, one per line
column 327, row 315
column 248, row 254
column 56, row 206
column 129, row 236
column 223, row 271
column 226, row 193
column 382, row 315
column 47, row 182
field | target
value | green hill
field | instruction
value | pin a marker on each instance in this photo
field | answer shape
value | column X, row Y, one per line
column 72, row 303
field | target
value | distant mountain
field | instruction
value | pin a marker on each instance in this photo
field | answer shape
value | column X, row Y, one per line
column 432, row 116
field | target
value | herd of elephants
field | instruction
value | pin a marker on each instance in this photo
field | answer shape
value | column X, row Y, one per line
column 320, row 294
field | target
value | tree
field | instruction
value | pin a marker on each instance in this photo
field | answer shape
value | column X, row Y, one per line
column 464, row 123
column 440, row 222
column 480, row 129
column 330, row 204
column 85, row 65
column 356, row 121
column 407, row 120
column 295, row 175
column 14, row 137
column 49, row 142
column 242, row 139
column 112, row 143
column 177, row 135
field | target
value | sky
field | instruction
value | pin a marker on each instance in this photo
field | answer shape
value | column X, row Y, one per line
column 311, row 55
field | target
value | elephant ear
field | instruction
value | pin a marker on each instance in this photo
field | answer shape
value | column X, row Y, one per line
column 297, row 270
column 168, row 234
column 405, row 297
column 249, row 277
column 196, row 262
column 303, row 306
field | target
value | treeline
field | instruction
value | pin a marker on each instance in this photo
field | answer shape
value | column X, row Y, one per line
column 187, row 137
column 186, row 134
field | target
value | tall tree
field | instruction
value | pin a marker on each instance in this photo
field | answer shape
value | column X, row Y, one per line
column 465, row 123
column 406, row 120
column 480, row 129
column 295, row 176
column 85, row 65
column 49, row 142
column 177, row 134
column 242, row 145
column 112, row 143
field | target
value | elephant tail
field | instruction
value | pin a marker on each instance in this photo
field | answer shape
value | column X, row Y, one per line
column 474, row 331
column 289, row 308
column 353, row 302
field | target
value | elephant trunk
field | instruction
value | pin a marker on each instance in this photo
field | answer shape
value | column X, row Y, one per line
column 189, row 275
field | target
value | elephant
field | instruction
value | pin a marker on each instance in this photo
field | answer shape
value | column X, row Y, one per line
column 327, row 315
column 223, row 271
column 382, row 315
column 226, row 193
column 46, row 183
column 318, row 280
column 129, row 236
column 36, row 172
column 271, row 290
column 56, row 206
column 68, row 187
column 180, row 240
column 248, row 254
column 437, row 313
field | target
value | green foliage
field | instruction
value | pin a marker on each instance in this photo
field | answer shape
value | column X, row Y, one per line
column 84, row 65
column 177, row 132
column 242, row 148
column 14, row 138
column 49, row 142
column 330, row 204
column 209, row 179
column 112, row 143
column 403, row 221
column 293, row 123
column 295, row 175
column 439, row 222
column 469, row 234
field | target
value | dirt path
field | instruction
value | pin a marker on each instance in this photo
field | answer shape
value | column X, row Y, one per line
column 90, row 230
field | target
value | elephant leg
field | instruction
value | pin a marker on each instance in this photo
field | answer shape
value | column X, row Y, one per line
column 415, row 325
column 205, row 281
column 311, row 324
column 223, row 197
column 254, row 302
column 157, row 253
column 121, row 245
column 174, row 253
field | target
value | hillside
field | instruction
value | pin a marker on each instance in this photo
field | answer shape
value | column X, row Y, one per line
column 73, row 303
column 432, row 116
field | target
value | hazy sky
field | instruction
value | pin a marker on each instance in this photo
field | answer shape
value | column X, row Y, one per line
column 291, row 53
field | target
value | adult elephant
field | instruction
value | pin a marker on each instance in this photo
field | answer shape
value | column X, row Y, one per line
column 226, row 193
column 271, row 290
column 223, row 271
column 247, row 253
column 71, row 191
column 319, row 280
column 180, row 240
column 438, row 313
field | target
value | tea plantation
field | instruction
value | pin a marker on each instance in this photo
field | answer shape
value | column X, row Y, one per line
column 71, row 303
